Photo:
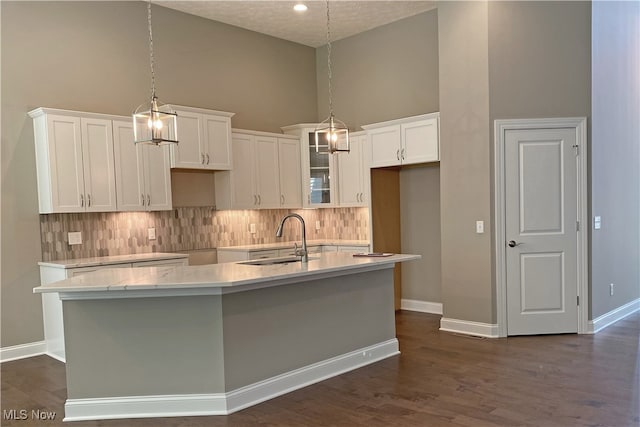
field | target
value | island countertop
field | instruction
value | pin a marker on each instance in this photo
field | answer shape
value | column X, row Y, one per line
column 213, row 279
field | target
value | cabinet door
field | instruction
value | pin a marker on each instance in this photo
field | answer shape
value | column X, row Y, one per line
column 385, row 146
column 189, row 152
column 97, row 159
column 129, row 166
column 243, row 173
column 157, row 177
column 65, row 162
column 420, row 142
column 290, row 177
column 217, row 134
column 267, row 174
column 350, row 174
column 318, row 170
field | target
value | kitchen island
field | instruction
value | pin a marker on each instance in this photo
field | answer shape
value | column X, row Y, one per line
column 213, row 339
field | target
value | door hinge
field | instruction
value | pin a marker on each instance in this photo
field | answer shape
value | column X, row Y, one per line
column 577, row 147
column 578, row 300
column 577, row 225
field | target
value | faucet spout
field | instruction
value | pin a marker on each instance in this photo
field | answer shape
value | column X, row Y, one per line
column 304, row 256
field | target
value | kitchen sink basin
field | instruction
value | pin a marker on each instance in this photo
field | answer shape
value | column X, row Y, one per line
column 274, row 261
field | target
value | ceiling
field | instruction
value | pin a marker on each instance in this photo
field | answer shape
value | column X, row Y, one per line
column 278, row 19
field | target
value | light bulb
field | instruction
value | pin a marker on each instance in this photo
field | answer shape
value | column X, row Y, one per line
column 300, row 7
column 157, row 124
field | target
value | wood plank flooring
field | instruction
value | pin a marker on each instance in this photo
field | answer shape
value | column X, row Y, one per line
column 440, row 379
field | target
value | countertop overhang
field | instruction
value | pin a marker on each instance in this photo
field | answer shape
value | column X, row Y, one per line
column 213, row 279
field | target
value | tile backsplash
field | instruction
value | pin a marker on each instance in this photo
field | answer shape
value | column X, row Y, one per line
column 182, row 229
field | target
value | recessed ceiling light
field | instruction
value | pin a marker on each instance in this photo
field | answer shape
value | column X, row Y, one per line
column 300, row 7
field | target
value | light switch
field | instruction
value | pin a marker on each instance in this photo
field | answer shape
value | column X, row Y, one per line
column 317, row 225
column 479, row 227
column 597, row 222
column 252, row 228
column 151, row 233
column 75, row 238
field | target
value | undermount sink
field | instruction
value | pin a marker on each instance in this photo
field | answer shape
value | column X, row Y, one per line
column 274, row 261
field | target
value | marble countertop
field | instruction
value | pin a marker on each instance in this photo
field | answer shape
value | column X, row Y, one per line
column 215, row 278
column 289, row 244
column 109, row 260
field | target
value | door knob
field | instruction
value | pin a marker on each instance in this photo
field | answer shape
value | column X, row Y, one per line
column 513, row 244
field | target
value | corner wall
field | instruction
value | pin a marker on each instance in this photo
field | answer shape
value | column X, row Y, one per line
column 615, row 154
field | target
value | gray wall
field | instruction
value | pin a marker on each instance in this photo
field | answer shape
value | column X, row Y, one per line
column 382, row 74
column 539, row 60
column 615, row 154
column 465, row 169
column 420, row 232
column 93, row 56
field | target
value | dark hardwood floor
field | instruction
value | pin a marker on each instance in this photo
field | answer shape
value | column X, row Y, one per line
column 440, row 379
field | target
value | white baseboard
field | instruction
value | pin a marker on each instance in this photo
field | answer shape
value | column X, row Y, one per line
column 22, row 351
column 467, row 327
column 601, row 322
column 421, row 306
column 225, row 403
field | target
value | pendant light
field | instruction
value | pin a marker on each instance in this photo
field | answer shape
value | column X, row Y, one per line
column 332, row 135
column 154, row 122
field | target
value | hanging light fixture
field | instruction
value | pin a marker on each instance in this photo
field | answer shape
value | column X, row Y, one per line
column 332, row 134
column 153, row 122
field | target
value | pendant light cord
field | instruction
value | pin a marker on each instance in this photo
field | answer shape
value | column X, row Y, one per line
column 153, row 75
column 329, row 59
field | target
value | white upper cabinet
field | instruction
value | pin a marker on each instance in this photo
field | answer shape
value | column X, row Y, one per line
column 289, row 171
column 353, row 172
column 204, row 139
column 318, row 169
column 75, row 163
column 265, row 174
column 404, row 141
column 143, row 174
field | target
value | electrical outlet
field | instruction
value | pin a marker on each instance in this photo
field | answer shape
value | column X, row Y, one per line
column 252, row 228
column 151, row 233
column 479, row 227
column 597, row 222
column 75, row 238
column 611, row 286
column 317, row 225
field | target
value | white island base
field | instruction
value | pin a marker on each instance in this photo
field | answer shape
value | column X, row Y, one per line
column 213, row 350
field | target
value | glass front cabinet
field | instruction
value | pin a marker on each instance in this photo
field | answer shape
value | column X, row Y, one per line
column 318, row 168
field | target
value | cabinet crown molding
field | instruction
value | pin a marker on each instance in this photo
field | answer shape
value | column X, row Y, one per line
column 41, row 111
column 201, row 110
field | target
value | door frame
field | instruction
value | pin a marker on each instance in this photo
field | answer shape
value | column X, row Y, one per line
column 500, row 127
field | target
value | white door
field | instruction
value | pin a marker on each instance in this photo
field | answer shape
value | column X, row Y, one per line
column 350, row 174
column 216, row 135
column 541, row 214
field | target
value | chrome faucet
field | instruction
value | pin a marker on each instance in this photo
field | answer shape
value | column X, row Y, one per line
column 302, row 253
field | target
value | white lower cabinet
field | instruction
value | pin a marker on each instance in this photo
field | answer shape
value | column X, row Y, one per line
column 143, row 172
column 52, row 306
column 265, row 174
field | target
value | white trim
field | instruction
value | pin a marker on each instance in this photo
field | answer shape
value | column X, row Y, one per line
column 601, row 322
column 225, row 403
column 468, row 327
column 22, row 351
column 580, row 125
column 421, row 306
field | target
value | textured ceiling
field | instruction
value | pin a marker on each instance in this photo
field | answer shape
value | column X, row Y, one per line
column 278, row 19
